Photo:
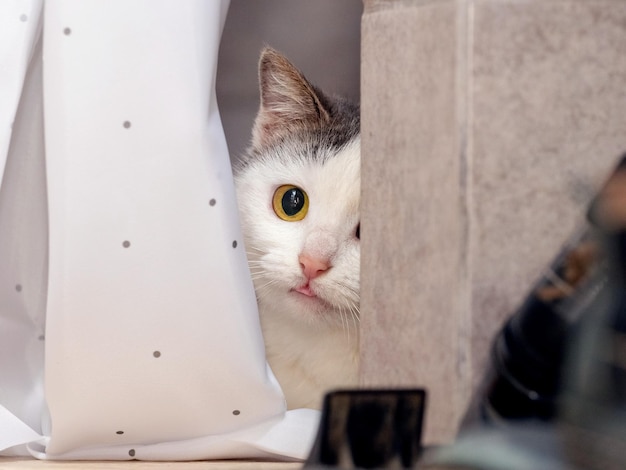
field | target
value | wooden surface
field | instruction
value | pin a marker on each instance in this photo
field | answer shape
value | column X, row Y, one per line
column 27, row 464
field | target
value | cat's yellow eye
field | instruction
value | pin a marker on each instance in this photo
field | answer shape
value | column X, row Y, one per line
column 290, row 203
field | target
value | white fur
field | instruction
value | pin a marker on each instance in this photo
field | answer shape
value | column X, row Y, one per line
column 311, row 343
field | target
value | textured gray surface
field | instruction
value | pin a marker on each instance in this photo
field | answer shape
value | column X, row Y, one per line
column 487, row 125
column 411, row 212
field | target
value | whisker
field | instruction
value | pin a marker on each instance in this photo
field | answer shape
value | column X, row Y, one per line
column 258, row 272
column 258, row 268
column 355, row 321
column 255, row 261
column 343, row 324
column 253, row 247
column 262, row 293
column 267, row 284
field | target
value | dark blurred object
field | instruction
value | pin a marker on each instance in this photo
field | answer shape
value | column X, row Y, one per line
column 608, row 209
column 593, row 422
column 555, row 397
column 528, row 353
column 526, row 377
column 369, row 429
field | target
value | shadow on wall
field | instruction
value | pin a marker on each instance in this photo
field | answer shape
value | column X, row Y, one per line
column 322, row 38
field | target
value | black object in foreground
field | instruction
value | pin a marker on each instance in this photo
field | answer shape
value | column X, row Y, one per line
column 369, row 429
column 527, row 372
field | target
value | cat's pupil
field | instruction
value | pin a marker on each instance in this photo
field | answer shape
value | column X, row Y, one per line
column 293, row 201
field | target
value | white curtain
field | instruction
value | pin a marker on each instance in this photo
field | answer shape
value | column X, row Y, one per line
column 123, row 276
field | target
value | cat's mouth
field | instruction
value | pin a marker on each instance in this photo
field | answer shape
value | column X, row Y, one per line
column 310, row 301
column 305, row 290
column 307, row 295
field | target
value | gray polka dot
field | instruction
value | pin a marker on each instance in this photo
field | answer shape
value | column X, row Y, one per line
column 156, row 353
column 234, row 243
column 212, row 202
column 236, row 412
column 67, row 31
column 24, row 17
column 41, row 338
column 119, row 432
column 126, row 244
column 18, row 287
column 131, row 452
column 126, row 124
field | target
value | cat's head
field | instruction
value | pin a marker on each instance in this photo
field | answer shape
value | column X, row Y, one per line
column 298, row 189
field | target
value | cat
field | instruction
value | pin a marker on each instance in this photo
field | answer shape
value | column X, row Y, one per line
column 298, row 190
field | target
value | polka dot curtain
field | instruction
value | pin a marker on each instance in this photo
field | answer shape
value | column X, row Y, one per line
column 123, row 278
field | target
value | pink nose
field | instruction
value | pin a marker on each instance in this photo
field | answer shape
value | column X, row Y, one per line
column 313, row 267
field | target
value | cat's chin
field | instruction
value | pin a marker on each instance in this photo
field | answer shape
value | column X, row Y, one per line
column 303, row 311
column 310, row 307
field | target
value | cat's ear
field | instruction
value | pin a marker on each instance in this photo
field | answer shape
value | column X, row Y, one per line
column 288, row 100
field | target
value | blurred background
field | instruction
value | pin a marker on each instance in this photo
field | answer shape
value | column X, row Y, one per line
column 321, row 38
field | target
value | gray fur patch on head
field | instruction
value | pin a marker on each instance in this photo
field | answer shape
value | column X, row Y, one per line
column 296, row 116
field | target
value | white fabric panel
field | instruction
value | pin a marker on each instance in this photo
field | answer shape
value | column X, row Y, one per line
column 23, row 225
column 19, row 26
column 153, row 348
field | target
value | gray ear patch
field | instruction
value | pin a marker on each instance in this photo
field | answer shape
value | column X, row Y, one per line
column 288, row 101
